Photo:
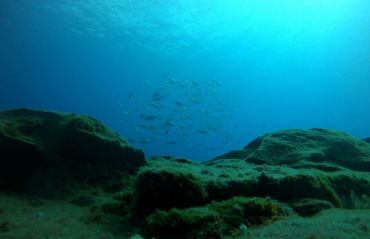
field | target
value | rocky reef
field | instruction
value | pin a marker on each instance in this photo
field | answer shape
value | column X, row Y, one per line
column 54, row 154
column 278, row 178
column 278, row 175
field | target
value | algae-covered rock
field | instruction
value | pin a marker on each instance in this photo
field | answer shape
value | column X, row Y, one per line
column 215, row 220
column 295, row 164
column 167, row 187
column 297, row 171
column 52, row 154
column 166, row 183
column 322, row 148
column 278, row 177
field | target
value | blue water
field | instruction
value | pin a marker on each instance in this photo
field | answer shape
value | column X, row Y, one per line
column 260, row 65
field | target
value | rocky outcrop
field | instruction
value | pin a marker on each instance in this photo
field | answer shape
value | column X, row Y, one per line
column 280, row 176
column 52, row 154
column 295, row 164
column 324, row 149
column 299, row 171
column 367, row 140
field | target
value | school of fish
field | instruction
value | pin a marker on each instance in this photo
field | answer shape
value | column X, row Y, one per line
column 181, row 111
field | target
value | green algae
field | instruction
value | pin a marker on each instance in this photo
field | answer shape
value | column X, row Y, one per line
column 214, row 220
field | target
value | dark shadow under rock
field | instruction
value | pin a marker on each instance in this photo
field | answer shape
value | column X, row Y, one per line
column 310, row 207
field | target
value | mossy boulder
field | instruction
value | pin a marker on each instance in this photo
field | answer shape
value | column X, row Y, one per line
column 325, row 149
column 215, row 220
column 296, row 164
column 52, row 154
column 295, row 172
column 166, row 188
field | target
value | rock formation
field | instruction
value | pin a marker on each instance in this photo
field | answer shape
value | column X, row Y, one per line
column 52, row 154
column 287, row 172
column 281, row 176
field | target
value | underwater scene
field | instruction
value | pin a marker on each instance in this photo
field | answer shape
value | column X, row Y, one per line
column 184, row 119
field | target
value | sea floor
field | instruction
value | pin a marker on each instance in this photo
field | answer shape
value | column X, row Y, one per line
column 33, row 218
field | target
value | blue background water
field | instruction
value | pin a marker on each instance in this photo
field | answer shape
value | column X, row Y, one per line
column 281, row 64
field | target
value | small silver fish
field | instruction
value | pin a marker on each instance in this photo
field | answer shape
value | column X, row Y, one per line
column 171, row 81
column 171, row 142
column 202, row 131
